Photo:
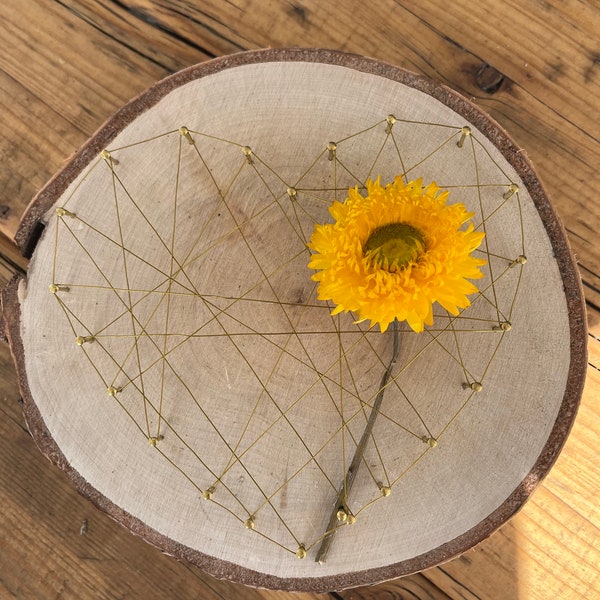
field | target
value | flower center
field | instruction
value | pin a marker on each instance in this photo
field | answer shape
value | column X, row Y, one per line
column 394, row 246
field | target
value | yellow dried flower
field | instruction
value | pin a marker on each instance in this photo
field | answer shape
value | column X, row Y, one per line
column 394, row 253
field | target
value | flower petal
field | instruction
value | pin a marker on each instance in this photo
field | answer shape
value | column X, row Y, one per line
column 440, row 274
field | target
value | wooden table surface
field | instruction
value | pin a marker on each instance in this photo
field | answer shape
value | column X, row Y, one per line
column 67, row 65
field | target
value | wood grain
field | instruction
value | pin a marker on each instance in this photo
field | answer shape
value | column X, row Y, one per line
column 66, row 66
column 53, row 385
column 550, row 549
column 543, row 98
column 57, row 545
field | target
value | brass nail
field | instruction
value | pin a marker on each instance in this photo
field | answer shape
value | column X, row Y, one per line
column 108, row 157
column 331, row 148
column 63, row 212
column 341, row 515
column 391, row 119
column 185, row 132
column 464, row 132
column 520, row 260
column 513, row 188
column 248, row 154
column 207, row 493
column 430, row 441
column 54, row 288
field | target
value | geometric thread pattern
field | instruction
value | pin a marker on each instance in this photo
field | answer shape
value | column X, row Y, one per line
column 212, row 264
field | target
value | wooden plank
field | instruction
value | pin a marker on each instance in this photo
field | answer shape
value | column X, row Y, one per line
column 11, row 261
column 170, row 34
column 68, row 89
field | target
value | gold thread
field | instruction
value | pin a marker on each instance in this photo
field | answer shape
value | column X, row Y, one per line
column 70, row 316
column 486, row 242
column 458, row 358
column 432, row 153
column 269, row 396
column 400, row 157
column 343, row 354
column 129, row 303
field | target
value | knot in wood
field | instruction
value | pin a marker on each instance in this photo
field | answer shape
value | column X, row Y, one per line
column 488, row 79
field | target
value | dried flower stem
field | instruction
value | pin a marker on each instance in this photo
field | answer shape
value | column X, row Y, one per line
column 341, row 500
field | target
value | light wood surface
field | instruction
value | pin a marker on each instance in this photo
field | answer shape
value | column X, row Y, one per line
column 67, row 66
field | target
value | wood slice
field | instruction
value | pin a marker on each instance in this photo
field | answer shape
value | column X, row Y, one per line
column 175, row 361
